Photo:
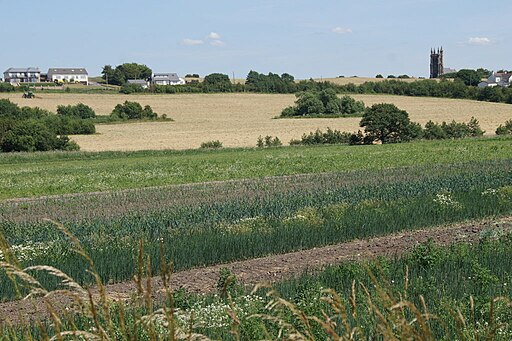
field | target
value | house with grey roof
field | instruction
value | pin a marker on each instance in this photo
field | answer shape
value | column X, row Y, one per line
column 68, row 75
column 167, row 79
column 143, row 83
column 22, row 75
column 503, row 79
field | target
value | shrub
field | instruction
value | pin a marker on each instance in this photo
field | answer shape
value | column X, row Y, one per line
column 211, row 144
column 78, row 111
column 133, row 111
column 325, row 102
column 328, row 137
column 505, row 129
column 268, row 141
column 6, row 87
column 131, row 89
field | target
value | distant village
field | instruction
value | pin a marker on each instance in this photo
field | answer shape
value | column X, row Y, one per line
column 18, row 76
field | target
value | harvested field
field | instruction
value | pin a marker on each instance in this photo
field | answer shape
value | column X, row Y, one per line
column 238, row 119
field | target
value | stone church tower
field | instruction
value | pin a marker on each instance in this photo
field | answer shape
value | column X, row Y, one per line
column 436, row 63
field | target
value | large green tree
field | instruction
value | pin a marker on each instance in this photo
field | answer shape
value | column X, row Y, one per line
column 121, row 73
column 387, row 123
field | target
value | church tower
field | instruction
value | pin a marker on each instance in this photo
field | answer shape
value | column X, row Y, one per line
column 436, row 63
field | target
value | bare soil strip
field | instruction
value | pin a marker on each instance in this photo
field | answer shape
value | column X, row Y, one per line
column 278, row 267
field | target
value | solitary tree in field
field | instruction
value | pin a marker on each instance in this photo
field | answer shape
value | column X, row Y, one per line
column 386, row 123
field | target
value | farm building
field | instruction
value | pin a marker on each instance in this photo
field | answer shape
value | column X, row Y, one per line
column 143, row 83
column 68, row 75
column 167, row 79
column 22, row 75
column 503, row 79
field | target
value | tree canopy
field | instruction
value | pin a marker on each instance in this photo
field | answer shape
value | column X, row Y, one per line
column 121, row 73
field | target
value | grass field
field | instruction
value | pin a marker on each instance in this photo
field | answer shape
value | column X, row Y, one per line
column 238, row 119
column 38, row 174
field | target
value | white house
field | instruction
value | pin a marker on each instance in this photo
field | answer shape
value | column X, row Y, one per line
column 22, row 75
column 68, row 75
column 503, row 79
column 167, row 79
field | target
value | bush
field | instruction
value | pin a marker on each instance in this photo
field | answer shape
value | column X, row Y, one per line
column 133, row 111
column 505, row 129
column 268, row 141
column 6, row 87
column 211, row 145
column 131, row 89
column 30, row 135
column 80, row 110
column 319, row 137
column 325, row 102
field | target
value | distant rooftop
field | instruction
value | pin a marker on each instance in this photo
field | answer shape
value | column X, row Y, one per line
column 23, row 69
column 166, row 77
column 67, row 71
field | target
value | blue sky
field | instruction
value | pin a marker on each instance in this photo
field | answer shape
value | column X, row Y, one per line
column 325, row 38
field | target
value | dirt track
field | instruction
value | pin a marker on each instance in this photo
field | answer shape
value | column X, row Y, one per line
column 278, row 267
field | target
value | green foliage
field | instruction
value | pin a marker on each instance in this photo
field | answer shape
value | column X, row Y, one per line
column 271, row 83
column 505, row 129
column 80, row 110
column 211, row 145
column 427, row 255
column 34, row 129
column 320, row 137
column 131, row 89
column 6, row 87
column 217, row 82
column 121, row 73
column 379, row 76
column 386, row 123
column 268, row 141
column 325, row 102
column 133, row 111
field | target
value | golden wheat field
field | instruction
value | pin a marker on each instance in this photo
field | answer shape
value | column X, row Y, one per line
column 238, row 119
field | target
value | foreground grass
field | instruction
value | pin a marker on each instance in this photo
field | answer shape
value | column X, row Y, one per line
column 39, row 174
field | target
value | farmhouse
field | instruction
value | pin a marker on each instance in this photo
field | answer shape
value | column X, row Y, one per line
column 503, row 79
column 167, row 79
column 68, row 75
column 22, row 75
column 143, row 83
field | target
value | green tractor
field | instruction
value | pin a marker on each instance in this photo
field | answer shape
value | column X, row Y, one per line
column 29, row 94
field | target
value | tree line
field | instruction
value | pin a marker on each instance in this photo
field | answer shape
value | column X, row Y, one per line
column 459, row 85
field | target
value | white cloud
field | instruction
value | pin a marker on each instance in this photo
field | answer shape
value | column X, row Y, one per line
column 218, row 43
column 341, row 30
column 214, row 35
column 192, row 42
column 479, row 41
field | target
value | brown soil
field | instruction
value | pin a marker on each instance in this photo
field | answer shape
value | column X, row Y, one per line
column 277, row 267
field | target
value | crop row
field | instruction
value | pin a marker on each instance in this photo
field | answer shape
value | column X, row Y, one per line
column 261, row 218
